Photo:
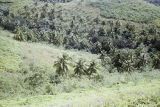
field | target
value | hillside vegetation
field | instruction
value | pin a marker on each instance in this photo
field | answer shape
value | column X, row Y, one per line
column 79, row 53
column 139, row 95
column 36, row 59
column 137, row 10
column 21, row 61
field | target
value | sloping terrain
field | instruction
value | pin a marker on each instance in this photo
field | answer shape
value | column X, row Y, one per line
column 18, row 60
column 14, row 53
column 9, row 53
column 137, row 10
column 83, row 53
column 60, row 24
column 143, row 92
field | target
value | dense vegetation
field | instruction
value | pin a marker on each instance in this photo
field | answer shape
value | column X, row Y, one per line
column 156, row 2
column 137, row 10
column 114, row 40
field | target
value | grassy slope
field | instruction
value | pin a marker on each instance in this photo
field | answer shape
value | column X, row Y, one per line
column 141, row 88
column 9, row 53
column 145, row 91
column 14, row 53
column 18, row 56
column 134, row 10
column 142, row 93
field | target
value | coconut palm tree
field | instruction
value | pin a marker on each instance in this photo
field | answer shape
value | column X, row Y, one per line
column 92, row 68
column 80, row 68
column 62, row 65
column 156, row 61
column 20, row 36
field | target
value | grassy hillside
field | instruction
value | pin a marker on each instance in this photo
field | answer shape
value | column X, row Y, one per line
column 137, row 10
column 84, row 53
column 138, row 89
column 21, row 60
column 9, row 53
column 14, row 53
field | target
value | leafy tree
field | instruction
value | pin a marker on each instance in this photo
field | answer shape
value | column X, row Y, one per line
column 91, row 69
column 156, row 61
column 103, row 23
column 140, row 62
column 80, row 68
column 127, row 61
column 72, row 24
column 117, row 61
column 62, row 65
column 111, row 23
column 102, row 57
column 25, row 34
column 130, row 27
column 152, row 30
column 20, row 35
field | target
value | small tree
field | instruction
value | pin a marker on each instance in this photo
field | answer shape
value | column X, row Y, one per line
column 111, row 23
column 62, row 65
column 92, row 68
column 156, row 61
column 117, row 61
column 20, row 35
column 130, row 27
column 102, row 57
column 80, row 68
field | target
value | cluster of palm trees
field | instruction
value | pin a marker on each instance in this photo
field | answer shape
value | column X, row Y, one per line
column 80, row 68
column 25, row 34
column 60, row 27
column 131, row 60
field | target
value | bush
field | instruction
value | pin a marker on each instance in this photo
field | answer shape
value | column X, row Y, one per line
column 36, row 77
column 10, row 85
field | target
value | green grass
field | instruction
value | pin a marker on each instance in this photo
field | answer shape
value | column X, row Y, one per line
column 14, row 53
column 137, row 10
column 144, row 93
column 120, row 90
column 17, row 58
column 10, row 59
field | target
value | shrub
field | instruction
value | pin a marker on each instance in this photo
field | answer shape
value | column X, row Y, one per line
column 10, row 85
